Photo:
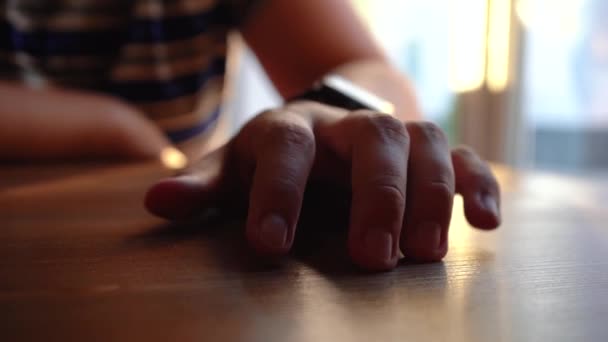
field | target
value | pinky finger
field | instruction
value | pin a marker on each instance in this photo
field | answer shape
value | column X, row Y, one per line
column 479, row 188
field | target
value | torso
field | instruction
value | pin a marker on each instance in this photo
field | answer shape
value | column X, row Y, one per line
column 165, row 57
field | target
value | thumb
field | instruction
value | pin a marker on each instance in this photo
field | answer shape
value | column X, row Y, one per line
column 185, row 195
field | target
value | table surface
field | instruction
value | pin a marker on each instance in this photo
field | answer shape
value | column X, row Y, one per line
column 81, row 260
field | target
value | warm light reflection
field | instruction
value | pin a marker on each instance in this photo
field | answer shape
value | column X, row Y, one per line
column 460, row 229
column 173, row 158
column 479, row 39
column 388, row 108
column 467, row 46
column 499, row 32
column 364, row 9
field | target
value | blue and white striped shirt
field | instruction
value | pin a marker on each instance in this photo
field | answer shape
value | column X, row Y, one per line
column 166, row 57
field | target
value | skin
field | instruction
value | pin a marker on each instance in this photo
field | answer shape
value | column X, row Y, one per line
column 399, row 169
column 403, row 178
column 55, row 124
column 321, row 36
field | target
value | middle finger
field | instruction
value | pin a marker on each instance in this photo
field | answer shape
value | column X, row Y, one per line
column 378, row 151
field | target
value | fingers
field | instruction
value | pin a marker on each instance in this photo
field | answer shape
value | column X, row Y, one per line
column 377, row 146
column 134, row 136
column 273, row 155
column 479, row 188
column 54, row 124
column 198, row 188
column 283, row 151
column 430, row 194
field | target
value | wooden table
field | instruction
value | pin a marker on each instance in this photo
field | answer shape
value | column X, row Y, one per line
column 80, row 260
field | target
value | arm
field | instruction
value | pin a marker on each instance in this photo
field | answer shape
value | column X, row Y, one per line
column 53, row 123
column 321, row 36
column 378, row 159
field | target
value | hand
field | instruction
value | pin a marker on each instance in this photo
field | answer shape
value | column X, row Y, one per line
column 403, row 179
column 58, row 124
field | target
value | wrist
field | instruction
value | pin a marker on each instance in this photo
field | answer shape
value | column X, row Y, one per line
column 381, row 78
column 338, row 91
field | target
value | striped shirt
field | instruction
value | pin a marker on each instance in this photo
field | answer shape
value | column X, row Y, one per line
column 166, row 57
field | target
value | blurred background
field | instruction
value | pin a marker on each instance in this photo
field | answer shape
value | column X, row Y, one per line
column 525, row 82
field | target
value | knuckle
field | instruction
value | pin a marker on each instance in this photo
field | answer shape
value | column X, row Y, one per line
column 389, row 200
column 433, row 201
column 478, row 174
column 427, row 130
column 441, row 191
column 258, row 122
column 284, row 132
column 265, row 116
column 383, row 126
column 286, row 187
column 386, row 191
column 465, row 152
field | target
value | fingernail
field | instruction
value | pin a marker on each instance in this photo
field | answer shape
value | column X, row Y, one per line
column 489, row 203
column 427, row 235
column 273, row 231
column 379, row 244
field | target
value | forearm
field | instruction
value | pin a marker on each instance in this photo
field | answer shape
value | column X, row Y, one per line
column 53, row 123
column 317, row 37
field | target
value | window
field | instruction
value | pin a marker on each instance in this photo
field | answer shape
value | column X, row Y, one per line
column 565, row 74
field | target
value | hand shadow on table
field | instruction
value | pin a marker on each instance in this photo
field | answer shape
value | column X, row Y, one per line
column 320, row 242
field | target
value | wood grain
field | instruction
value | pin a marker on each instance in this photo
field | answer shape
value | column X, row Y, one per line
column 80, row 260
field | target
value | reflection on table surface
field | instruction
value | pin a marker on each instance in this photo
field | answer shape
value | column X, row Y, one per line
column 81, row 260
